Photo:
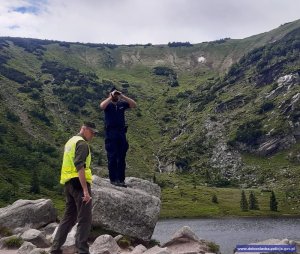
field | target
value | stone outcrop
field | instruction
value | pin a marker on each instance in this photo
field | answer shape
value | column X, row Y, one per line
column 237, row 101
column 105, row 244
column 225, row 159
column 33, row 213
column 186, row 241
column 274, row 144
column 131, row 211
column 285, row 83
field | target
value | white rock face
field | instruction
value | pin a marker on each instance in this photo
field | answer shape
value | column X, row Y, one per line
column 201, row 59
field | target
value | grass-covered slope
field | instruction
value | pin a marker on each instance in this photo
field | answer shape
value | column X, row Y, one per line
column 204, row 110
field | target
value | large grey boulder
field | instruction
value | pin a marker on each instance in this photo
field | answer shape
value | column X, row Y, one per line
column 33, row 213
column 131, row 211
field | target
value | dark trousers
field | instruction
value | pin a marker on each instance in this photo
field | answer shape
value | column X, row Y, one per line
column 76, row 211
column 116, row 147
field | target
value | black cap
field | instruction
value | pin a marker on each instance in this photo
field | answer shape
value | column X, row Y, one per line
column 91, row 126
column 113, row 89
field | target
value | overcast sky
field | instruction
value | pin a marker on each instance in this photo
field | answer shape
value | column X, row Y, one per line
column 143, row 21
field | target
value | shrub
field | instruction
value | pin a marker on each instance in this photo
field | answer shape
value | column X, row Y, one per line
column 124, row 242
column 48, row 178
column 267, row 106
column 14, row 75
column 273, row 202
column 41, row 115
column 35, row 95
column 4, row 231
column 13, row 242
column 152, row 243
column 214, row 199
column 249, row 132
column 35, row 183
column 12, row 117
column 244, row 203
column 6, row 193
column 214, row 248
column 163, row 71
column 180, row 44
column 3, row 129
column 171, row 100
column 253, row 203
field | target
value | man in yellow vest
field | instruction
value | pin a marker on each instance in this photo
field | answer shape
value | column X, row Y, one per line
column 76, row 176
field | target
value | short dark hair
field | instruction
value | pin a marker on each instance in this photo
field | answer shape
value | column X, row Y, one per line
column 91, row 125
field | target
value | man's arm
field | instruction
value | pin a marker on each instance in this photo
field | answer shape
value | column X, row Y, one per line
column 86, row 195
column 104, row 103
column 131, row 102
column 81, row 152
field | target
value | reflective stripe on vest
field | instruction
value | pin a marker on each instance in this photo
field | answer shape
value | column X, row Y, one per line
column 68, row 169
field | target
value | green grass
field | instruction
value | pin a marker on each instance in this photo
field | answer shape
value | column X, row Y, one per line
column 185, row 200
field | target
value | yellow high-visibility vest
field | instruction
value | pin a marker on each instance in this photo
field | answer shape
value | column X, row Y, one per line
column 68, row 169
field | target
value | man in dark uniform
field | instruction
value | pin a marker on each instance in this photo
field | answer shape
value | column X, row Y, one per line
column 116, row 144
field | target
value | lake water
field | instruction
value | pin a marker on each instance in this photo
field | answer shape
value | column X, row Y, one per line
column 228, row 232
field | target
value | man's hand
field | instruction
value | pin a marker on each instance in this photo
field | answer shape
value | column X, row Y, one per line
column 115, row 93
column 86, row 197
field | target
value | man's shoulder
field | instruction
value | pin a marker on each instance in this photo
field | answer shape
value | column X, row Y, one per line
column 124, row 104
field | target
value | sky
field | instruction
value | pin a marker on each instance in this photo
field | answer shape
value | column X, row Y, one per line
column 143, row 21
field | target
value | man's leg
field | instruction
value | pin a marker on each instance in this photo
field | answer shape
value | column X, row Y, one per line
column 111, row 149
column 84, row 221
column 122, row 150
column 66, row 224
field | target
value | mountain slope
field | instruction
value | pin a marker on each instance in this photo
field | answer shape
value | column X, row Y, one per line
column 226, row 111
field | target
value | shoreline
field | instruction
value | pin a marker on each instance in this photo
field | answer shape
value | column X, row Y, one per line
column 291, row 216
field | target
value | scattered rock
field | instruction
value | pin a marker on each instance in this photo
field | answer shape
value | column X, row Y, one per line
column 105, row 244
column 35, row 237
column 69, row 245
column 35, row 213
column 26, row 248
column 139, row 249
column 186, row 241
column 50, row 228
column 158, row 250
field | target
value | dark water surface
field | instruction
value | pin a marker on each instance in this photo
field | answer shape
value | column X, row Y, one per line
column 228, row 232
